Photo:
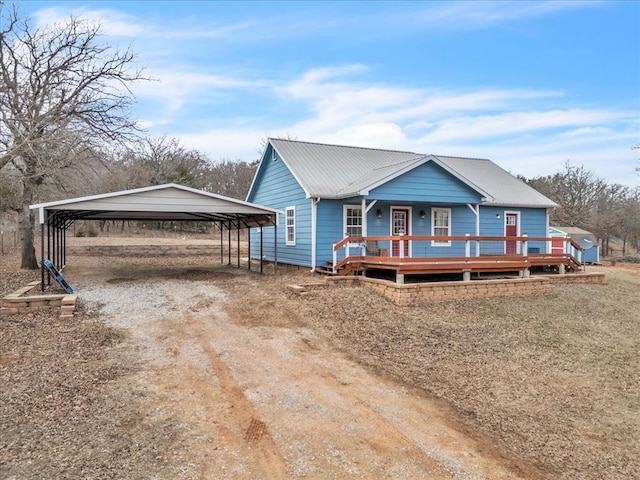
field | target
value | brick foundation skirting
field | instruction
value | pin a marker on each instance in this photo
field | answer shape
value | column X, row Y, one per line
column 17, row 302
column 423, row 293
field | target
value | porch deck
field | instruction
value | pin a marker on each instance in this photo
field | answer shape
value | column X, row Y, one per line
column 520, row 263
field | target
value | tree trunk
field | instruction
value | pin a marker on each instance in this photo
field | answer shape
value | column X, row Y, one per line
column 25, row 222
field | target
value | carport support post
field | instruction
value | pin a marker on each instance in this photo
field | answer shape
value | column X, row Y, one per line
column 229, row 240
column 275, row 248
column 249, row 248
column 261, row 250
column 238, row 242
column 221, row 244
column 49, row 235
column 41, row 215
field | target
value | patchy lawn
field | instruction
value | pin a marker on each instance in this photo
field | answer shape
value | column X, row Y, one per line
column 553, row 380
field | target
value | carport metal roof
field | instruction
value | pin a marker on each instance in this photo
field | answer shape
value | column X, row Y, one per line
column 169, row 202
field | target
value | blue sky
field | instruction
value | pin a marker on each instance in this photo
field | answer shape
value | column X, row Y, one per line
column 529, row 85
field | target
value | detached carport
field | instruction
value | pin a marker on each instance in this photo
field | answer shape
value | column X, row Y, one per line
column 170, row 202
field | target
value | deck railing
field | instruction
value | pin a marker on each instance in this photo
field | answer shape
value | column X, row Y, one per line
column 427, row 246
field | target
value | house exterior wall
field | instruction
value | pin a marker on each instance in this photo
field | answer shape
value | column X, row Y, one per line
column 277, row 188
column 533, row 222
column 426, row 187
column 426, row 183
column 330, row 227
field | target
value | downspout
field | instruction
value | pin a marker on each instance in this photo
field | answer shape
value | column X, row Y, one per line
column 314, row 218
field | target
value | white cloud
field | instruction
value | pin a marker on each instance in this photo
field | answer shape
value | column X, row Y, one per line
column 588, row 132
column 510, row 126
column 111, row 22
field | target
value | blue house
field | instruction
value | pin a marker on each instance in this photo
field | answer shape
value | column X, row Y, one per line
column 392, row 204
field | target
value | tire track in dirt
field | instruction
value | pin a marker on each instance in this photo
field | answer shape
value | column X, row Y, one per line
column 256, row 432
column 273, row 402
column 385, row 432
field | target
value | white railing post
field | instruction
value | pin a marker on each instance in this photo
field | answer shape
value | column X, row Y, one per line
column 347, row 250
column 401, row 246
column 335, row 258
column 525, row 246
column 467, row 246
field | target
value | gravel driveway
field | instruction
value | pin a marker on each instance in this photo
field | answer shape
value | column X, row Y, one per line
column 272, row 402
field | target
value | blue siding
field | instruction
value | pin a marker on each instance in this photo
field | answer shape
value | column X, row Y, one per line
column 329, row 228
column 427, row 183
column 276, row 187
column 422, row 188
column 533, row 222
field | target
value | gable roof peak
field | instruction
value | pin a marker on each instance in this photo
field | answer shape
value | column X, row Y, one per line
column 342, row 171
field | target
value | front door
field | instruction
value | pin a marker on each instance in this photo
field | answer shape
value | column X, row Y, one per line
column 400, row 225
column 511, row 230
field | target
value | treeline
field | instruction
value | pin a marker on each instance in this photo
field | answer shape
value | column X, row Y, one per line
column 148, row 161
column 609, row 211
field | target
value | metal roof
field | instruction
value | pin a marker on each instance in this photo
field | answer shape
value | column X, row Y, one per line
column 504, row 188
column 336, row 171
column 171, row 202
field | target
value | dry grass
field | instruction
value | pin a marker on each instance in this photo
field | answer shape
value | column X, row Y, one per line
column 553, row 380
column 70, row 405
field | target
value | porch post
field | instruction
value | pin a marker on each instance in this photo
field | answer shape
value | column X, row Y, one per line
column 525, row 253
column 364, row 217
column 476, row 212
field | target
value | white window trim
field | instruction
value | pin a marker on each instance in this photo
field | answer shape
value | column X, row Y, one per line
column 289, row 243
column 344, row 217
column 435, row 243
column 274, row 154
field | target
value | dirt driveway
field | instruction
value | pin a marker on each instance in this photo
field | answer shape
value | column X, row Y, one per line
column 274, row 402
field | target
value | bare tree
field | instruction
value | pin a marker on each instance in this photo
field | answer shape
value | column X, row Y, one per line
column 62, row 92
column 608, row 210
column 230, row 178
column 576, row 190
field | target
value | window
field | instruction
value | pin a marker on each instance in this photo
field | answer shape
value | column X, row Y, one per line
column 291, row 225
column 353, row 220
column 274, row 155
column 440, row 225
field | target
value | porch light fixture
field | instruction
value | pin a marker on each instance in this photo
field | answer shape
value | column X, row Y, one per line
column 497, row 215
column 379, row 213
column 423, row 214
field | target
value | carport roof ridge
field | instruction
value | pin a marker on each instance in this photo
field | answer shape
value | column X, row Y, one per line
column 175, row 202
